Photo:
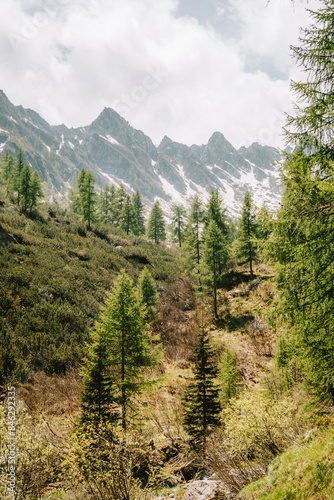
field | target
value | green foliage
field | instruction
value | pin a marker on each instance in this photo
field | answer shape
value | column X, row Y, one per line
column 215, row 255
column 120, row 350
column 139, row 211
column 127, row 218
column 201, row 406
column 156, row 224
column 304, row 251
column 193, row 228
column 304, row 471
column 228, row 375
column 246, row 234
column 21, row 182
column 147, row 291
column 87, row 198
column 215, row 212
column 178, row 223
column 54, row 276
column 105, row 204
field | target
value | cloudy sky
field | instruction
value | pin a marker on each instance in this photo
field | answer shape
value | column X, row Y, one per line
column 182, row 68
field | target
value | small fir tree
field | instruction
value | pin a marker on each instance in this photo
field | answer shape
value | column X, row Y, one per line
column 215, row 255
column 105, row 203
column 87, row 199
column 201, row 407
column 123, row 321
column 156, row 224
column 17, row 175
column 36, row 191
column 139, row 210
column 193, row 228
column 127, row 219
column 147, row 291
column 24, row 188
column 178, row 223
column 246, row 234
column 216, row 212
column 98, row 394
column 228, row 375
column 119, row 200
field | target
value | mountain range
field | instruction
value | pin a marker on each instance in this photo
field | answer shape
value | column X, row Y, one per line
column 115, row 152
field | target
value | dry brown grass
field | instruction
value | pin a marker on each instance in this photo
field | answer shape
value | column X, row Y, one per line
column 175, row 321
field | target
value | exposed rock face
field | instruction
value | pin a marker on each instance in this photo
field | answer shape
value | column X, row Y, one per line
column 116, row 152
column 204, row 490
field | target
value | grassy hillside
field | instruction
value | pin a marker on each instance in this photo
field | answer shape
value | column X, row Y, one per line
column 54, row 277
column 305, row 471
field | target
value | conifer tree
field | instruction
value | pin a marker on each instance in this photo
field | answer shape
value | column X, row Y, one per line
column 8, row 173
column 139, row 210
column 178, row 223
column 228, row 374
column 74, row 195
column 194, row 226
column 201, row 407
column 246, row 234
column 119, row 352
column 24, row 188
column 17, row 175
column 105, row 203
column 98, row 396
column 303, row 236
column 119, row 200
column 215, row 255
column 87, row 199
column 147, row 291
column 156, row 224
column 216, row 212
column 127, row 218
column 36, row 191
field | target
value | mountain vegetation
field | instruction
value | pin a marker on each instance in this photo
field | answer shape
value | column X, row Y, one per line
column 143, row 359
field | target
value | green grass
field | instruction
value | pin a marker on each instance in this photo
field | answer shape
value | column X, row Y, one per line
column 54, row 275
column 304, row 471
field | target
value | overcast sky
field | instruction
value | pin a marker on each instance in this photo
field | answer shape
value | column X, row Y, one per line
column 182, row 68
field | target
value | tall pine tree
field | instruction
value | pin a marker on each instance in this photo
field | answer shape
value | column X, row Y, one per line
column 201, row 407
column 139, row 211
column 178, row 223
column 194, row 227
column 305, row 227
column 246, row 234
column 156, row 225
column 215, row 253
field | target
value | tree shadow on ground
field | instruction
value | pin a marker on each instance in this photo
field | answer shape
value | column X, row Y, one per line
column 234, row 323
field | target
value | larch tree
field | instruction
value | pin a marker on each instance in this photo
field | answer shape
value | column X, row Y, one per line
column 105, row 203
column 304, row 230
column 87, row 199
column 215, row 255
column 201, row 407
column 121, row 348
column 156, row 225
column 19, row 165
column 216, row 212
column 24, row 188
column 246, row 234
column 119, row 200
column 139, row 211
column 178, row 223
column 127, row 218
column 147, row 291
column 194, row 226
column 36, row 190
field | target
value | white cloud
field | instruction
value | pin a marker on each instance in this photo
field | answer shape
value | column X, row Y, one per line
column 67, row 59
